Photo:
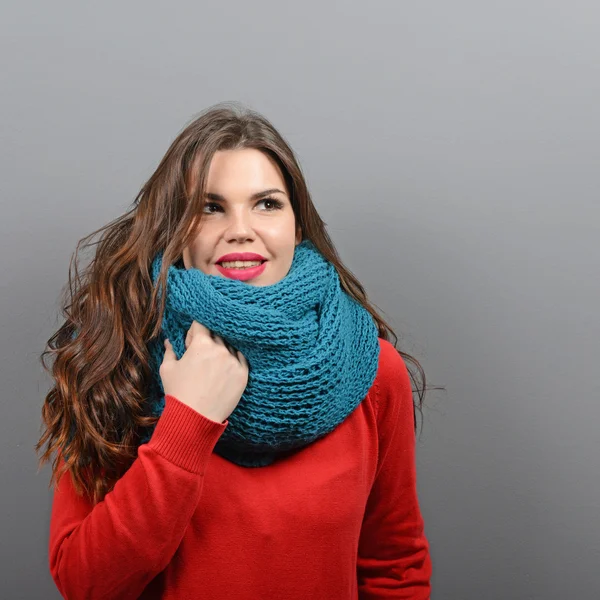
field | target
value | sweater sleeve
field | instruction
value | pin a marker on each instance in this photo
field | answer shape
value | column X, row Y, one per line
column 393, row 555
column 115, row 548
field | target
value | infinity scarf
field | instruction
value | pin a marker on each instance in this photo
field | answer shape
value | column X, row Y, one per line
column 312, row 351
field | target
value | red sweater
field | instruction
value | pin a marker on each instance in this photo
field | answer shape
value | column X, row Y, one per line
column 339, row 520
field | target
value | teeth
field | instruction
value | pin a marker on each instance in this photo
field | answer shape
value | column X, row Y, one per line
column 237, row 264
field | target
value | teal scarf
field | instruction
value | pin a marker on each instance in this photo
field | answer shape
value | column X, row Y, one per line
column 312, row 351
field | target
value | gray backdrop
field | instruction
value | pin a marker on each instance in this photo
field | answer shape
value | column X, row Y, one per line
column 453, row 150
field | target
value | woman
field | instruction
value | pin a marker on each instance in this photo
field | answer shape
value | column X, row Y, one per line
column 248, row 434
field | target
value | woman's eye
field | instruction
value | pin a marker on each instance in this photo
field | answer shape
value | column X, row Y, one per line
column 275, row 204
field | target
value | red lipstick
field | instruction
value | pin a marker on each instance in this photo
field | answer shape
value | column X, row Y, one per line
column 242, row 273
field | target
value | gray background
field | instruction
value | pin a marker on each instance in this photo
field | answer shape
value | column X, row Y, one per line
column 453, row 150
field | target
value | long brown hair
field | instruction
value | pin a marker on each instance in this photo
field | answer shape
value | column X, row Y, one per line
column 94, row 413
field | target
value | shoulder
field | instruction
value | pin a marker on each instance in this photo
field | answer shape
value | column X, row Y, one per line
column 392, row 385
column 392, row 370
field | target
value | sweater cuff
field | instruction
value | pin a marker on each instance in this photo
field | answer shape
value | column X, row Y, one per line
column 184, row 436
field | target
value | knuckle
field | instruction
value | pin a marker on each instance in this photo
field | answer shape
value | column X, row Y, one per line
column 198, row 340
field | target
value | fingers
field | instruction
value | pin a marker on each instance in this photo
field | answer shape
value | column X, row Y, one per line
column 198, row 329
column 169, row 352
column 242, row 358
column 219, row 340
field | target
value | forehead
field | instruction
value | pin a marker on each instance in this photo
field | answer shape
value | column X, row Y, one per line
column 240, row 172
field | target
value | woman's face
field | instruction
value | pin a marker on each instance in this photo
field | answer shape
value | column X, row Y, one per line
column 234, row 221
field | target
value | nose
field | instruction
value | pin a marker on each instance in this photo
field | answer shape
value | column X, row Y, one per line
column 239, row 224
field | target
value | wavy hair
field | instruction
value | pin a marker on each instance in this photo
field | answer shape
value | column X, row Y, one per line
column 97, row 410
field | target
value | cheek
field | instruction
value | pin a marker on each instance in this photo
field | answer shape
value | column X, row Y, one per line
column 197, row 253
column 282, row 229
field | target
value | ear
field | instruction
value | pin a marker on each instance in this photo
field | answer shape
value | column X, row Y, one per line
column 298, row 235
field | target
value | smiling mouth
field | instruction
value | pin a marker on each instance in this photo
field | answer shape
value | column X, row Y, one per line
column 241, row 264
column 241, row 272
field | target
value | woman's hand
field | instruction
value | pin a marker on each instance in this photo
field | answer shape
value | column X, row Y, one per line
column 209, row 377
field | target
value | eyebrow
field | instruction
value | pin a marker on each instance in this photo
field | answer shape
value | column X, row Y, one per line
column 212, row 196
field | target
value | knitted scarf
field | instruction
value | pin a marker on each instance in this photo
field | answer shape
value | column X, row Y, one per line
column 312, row 351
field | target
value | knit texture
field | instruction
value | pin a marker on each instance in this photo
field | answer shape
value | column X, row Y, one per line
column 312, row 351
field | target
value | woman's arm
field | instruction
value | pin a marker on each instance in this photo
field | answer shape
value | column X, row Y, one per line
column 393, row 554
column 115, row 548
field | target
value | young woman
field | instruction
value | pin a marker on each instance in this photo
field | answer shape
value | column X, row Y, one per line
column 229, row 419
